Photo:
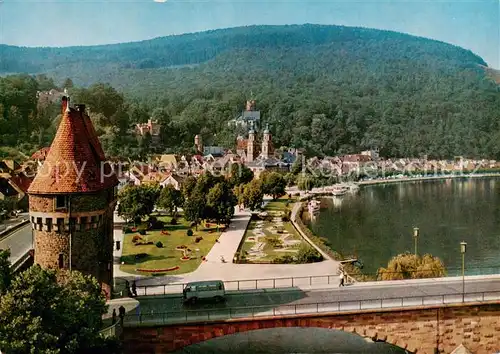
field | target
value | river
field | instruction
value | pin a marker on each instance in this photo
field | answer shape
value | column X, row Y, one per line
column 377, row 223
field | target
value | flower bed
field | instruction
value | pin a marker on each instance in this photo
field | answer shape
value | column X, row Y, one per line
column 156, row 270
column 185, row 258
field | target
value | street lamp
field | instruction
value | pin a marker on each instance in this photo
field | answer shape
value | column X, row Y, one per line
column 416, row 232
column 463, row 249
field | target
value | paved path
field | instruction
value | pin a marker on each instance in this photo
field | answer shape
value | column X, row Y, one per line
column 19, row 242
column 394, row 294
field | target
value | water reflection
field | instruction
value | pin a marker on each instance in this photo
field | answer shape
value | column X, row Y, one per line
column 292, row 340
column 377, row 223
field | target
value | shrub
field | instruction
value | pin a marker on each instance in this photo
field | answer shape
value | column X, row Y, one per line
column 286, row 259
column 136, row 238
column 137, row 220
column 126, row 230
column 274, row 242
column 189, row 232
column 159, row 244
column 198, row 239
column 142, row 232
column 173, row 221
column 141, row 256
column 308, row 255
column 152, row 218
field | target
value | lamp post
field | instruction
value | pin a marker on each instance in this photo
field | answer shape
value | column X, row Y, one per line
column 463, row 249
column 416, row 233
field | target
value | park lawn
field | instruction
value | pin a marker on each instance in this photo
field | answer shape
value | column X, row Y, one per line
column 168, row 256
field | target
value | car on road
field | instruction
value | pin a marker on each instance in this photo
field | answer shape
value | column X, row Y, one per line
column 212, row 290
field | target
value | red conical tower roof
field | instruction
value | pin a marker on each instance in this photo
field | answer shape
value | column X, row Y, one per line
column 75, row 162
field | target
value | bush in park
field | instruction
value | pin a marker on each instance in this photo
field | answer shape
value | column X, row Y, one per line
column 159, row 244
column 173, row 221
column 189, row 232
column 142, row 232
column 126, row 230
column 308, row 255
column 410, row 266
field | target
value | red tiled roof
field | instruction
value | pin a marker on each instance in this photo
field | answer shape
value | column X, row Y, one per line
column 242, row 144
column 73, row 164
column 22, row 181
column 40, row 154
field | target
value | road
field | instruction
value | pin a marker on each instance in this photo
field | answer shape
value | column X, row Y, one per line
column 269, row 302
column 19, row 242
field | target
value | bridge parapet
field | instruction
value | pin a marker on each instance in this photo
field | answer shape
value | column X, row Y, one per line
column 418, row 329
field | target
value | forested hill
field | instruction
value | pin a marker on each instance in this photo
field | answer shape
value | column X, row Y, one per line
column 328, row 89
column 198, row 48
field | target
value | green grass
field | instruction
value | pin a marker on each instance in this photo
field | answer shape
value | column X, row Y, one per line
column 168, row 256
column 274, row 208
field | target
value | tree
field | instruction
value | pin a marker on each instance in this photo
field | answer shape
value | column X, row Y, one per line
column 273, row 184
column 305, row 182
column 5, row 272
column 240, row 174
column 253, row 195
column 68, row 83
column 221, row 202
column 188, row 186
column 410, row 266
column 194, row 207
column 47, row 312
column 137, row 201
column 170, row 199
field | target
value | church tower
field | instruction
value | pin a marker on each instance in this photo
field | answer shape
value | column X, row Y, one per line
column 251, row 145
column 198, row 144
column 266, row 143
column 72, row 200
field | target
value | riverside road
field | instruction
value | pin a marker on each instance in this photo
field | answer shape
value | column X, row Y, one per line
column 395, row 294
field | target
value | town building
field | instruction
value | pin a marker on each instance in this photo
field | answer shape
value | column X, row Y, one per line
column 249, row 117
column 152, row 128
column 72, row 200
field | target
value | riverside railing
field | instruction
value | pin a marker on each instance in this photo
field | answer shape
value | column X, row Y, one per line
column 250, row 284
column 281, row 310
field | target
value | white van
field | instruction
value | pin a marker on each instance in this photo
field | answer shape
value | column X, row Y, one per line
column 212, row 289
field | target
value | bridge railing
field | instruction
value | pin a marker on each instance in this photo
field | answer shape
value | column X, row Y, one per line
column 250, row 284
column 283, row 310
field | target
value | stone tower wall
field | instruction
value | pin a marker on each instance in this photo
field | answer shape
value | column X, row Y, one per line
column 91, row 236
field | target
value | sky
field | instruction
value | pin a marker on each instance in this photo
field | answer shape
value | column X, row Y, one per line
column 473, row 25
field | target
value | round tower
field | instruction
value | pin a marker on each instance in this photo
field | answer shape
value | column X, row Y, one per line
column 72, row 201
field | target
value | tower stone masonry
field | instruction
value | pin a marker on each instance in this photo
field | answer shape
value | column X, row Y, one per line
column 72, row 201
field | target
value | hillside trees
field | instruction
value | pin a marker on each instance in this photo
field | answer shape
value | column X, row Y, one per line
column 333, row 96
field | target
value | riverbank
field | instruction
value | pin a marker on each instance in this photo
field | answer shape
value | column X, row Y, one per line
column 429, row 178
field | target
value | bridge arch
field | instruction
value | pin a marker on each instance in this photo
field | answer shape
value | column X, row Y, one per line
column 225, row 331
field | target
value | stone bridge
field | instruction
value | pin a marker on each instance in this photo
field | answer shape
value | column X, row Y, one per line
column 426, row 330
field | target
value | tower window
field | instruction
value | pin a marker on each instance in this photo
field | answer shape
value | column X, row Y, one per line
column 61, row 260
column 61, row 202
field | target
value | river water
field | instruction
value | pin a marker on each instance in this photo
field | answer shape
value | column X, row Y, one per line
column 377, row 223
